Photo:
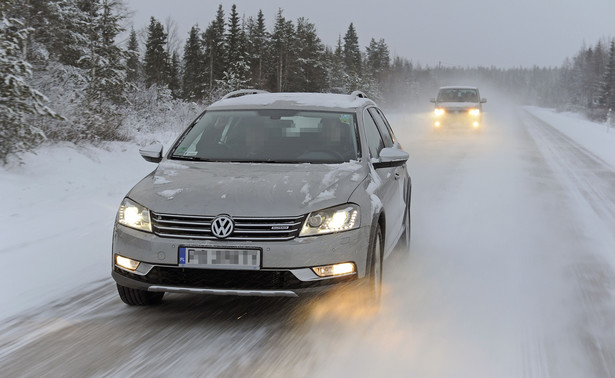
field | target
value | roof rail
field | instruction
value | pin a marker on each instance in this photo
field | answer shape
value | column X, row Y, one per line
column 358, row 94
column 242, row 92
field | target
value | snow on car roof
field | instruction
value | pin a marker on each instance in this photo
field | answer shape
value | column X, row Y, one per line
column 459, row 87
column 293, row 100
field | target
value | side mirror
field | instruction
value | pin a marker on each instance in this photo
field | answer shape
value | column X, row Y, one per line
column 152, row 153
column 483, row 100
column 432, row 100
column 391, row 157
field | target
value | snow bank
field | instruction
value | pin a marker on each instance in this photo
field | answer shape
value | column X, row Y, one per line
column 595, row 137
column 57, row 219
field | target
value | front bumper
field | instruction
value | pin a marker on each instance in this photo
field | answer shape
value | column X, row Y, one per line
column 280, row 283
column 285, row 265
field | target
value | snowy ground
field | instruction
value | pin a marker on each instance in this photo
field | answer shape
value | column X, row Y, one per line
column 511, row 269
column 58, row 212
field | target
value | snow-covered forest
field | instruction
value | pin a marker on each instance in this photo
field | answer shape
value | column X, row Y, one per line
column 76, row 70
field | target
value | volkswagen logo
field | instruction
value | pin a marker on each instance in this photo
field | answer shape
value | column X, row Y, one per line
column 222, row 226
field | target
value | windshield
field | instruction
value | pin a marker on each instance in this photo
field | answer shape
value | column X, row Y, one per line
column 458, row 95
column 274, row 136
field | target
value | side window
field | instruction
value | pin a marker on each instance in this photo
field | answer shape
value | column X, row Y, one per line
column 388, row 125
column 374, row 140
column 383, row 127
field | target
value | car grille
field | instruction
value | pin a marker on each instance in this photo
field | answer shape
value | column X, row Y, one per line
column 205, row 278
column 246, row 228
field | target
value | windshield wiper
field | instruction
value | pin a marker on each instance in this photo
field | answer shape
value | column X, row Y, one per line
column 266, row 161
column 191, row 158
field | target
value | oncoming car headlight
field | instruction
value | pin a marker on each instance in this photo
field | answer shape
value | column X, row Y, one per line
column 334, row 219
column 439, row 111
column 133, row 215
column 474, row 112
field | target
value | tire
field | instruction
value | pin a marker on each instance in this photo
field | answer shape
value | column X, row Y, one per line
column 370, row 290
column 136, row 297
column 403, row 245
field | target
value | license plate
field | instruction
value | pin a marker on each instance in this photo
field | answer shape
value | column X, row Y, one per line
column 220, row 258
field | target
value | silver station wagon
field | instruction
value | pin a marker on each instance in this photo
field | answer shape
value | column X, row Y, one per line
column 267, row 194
column 458, row 106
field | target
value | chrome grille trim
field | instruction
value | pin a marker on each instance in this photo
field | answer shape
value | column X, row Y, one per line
column 246, row 228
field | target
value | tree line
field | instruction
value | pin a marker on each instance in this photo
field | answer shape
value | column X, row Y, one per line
column 65, row 76
column 588, row 80
column 231, row 54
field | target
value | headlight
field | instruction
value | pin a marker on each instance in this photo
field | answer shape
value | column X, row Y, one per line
column 334, row 219
column 439, row 111
column 133, row 215
column 474, row 112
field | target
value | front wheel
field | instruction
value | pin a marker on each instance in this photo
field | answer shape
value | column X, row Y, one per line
column 370, row 291
column 136, row 297
column 403, row 246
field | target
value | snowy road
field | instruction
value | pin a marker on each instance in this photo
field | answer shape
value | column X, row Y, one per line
column 510, row 275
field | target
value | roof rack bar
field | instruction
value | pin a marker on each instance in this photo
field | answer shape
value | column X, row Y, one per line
column 243, row 92
column 359, row 94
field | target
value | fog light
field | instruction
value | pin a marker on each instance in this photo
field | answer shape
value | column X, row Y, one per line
column 436, row 124
column 334, row 270
column 475, row 124
column 126, row 263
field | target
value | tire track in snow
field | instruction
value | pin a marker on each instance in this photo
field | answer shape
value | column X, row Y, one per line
column 588, row 175
column 591, row 181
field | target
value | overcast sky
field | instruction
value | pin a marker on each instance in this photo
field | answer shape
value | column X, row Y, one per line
column 503, row 33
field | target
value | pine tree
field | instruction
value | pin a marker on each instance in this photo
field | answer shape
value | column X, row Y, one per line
column 311, row 74
column 213, row 40
column 596, row 67
column 282, row 54
column 73, row 36
column 42, row 17
column 607, row 97
column 108, row 77
column 258, row 39
column 233, row 37
column 133, row 63
column 173, row 75
column 17, row 98
column 352, row 52
column 378, row 59
column 193, row 80
column 156, row 59
column 236, row 72
column 336, row 74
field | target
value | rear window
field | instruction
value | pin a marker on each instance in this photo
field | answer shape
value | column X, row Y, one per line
column 274, row 136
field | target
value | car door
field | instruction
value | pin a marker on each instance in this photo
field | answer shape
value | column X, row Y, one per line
column 401, row 173
column 390, row 187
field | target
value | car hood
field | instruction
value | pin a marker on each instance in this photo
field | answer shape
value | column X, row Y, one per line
column 458, row 105
column 246, row 189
